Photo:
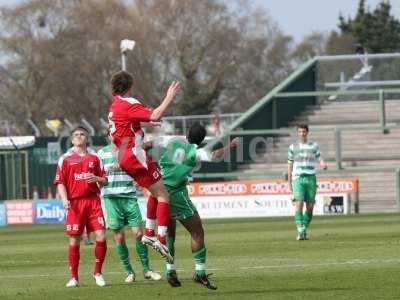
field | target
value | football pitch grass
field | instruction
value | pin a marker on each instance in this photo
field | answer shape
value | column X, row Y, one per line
column 347, row 257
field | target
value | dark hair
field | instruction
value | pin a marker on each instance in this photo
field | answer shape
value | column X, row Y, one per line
column 80, row 127
column 121, row 82
column 302, row 126
column 196, row 134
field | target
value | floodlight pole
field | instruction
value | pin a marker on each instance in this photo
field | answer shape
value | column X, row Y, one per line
column 125, row 46
column 34, row 127
column 123, row 60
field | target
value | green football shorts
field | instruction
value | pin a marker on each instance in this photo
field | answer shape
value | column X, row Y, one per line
column 305, row 188
column 181, row 206
column 121, row 212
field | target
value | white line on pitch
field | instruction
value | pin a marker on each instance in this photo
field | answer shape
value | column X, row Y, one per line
column 350, row 262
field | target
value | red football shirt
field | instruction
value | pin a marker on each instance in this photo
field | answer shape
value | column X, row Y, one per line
column 72, row 171
column 124, row 120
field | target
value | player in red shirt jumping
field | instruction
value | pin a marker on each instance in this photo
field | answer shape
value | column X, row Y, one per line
column 124, row 117
column 79, row 174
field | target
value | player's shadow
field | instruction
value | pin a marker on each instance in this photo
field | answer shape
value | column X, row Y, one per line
column 268, row 291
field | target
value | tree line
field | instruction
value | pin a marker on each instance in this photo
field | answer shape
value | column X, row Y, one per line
column 58, row 56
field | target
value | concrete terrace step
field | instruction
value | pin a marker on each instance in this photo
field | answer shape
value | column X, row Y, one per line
column 346, row 110
column 371, row 107
column 367, row 148
column 340, row 119
column 378, row 208
column 359, row 103
column 271, row 167
column 347, row 144
column 330, row 155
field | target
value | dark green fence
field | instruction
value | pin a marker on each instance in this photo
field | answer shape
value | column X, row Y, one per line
column 23, row 171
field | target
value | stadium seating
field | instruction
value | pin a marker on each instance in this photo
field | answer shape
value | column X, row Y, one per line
column 368, row 154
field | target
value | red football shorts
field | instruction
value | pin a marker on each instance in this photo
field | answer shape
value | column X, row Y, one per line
column 83, row 213
column 140, row 167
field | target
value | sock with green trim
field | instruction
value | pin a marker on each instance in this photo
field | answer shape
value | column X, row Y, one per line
column 123, row 253
column 298, row 218
column 200, row 261
column 307, row 219
column 171, row 247
column 143, row 253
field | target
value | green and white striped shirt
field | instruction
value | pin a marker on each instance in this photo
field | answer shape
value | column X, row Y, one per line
column 304, row 157
column 119, row 183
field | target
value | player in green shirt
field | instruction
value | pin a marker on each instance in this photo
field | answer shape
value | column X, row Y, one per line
column 302, row 157
column 178, row 160
column 121, row 209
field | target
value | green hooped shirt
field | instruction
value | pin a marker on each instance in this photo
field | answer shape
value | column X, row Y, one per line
column 304, row 158
column 119, row 183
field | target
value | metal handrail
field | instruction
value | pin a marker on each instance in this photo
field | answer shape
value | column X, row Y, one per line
column 356, row 56
column 229, row 115
column 336, row 93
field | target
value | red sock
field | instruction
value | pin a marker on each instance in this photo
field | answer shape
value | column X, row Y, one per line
column 151, row 216
column 163, row 216
column 100, row 254
column 162, row 239
column 73, row 259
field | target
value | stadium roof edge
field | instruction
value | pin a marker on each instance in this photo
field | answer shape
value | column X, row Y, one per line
column 16, row 142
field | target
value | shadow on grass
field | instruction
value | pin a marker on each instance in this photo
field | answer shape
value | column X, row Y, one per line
column 264, row 291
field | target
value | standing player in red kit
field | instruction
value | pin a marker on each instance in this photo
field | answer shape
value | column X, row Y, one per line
column 124, row 117
column 79, row 174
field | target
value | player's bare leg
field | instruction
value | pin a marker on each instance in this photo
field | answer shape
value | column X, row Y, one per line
column 73, row 260
column 199, row 252
column 100, row 254
column 172, row 277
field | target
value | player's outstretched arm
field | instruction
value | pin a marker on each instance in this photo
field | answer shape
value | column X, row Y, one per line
column 159, row 112
column 220, row 153
column 62, row 190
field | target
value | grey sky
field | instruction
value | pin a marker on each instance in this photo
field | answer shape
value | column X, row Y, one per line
column 300, row 17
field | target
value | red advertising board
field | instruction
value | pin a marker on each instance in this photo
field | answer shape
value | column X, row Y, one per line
column 19, row 212
column 267, row 187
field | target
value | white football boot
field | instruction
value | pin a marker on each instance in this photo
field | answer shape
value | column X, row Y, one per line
column 164, row 251
column 151, row 275
column 72, row 283
column 149, row 240
column 130, row 278
column 153, row 242
column 99, row 279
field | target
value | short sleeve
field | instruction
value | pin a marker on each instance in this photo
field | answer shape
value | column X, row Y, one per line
column 290, row 154
column 60, row 172
column 203, row 155
column 139, row 113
